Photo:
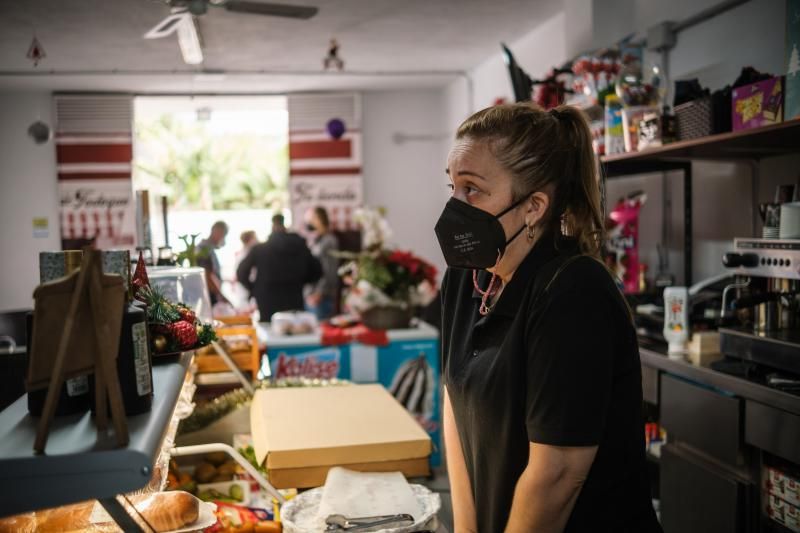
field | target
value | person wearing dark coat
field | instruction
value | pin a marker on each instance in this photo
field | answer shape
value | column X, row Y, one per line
column 283, row 265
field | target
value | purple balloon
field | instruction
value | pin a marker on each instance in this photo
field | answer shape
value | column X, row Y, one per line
column 335, row 128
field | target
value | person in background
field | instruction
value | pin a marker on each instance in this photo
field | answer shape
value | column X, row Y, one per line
column 242, row 296
column 283, row 265
column 321, row 298
column 248, row 239
column 542, row 403
column 207, row 258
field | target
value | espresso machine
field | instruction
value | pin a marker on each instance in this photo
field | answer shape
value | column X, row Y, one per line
column 762, row 331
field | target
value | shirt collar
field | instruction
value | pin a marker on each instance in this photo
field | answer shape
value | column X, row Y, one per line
column 511, row 298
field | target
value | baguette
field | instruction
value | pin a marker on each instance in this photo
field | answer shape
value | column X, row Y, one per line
column 163, row 511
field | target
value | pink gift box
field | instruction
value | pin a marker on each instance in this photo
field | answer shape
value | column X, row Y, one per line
column 758, row 104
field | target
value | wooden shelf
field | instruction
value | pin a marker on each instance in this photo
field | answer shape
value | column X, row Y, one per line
column 248, row 360
column 757, row 143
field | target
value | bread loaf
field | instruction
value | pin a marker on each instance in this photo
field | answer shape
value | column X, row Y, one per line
column 163, row 511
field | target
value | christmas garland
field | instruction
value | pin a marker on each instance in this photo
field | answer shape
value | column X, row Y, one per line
column 208, row 413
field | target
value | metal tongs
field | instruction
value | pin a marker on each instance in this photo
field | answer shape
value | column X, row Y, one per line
column 337, row 522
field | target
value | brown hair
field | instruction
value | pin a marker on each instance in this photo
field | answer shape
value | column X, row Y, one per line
column 247, row 236
column 322, row 216
column 547, row 148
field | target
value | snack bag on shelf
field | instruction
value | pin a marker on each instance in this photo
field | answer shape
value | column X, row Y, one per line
column 622, row 246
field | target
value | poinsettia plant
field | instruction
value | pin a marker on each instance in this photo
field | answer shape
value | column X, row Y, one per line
column 381, row 276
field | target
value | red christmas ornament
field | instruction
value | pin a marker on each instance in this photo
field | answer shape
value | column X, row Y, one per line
column 140, row 279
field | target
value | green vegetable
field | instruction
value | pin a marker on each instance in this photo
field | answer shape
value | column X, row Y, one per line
column 237, row 493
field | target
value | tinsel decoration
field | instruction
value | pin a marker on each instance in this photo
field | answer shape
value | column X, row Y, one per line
column 208, row 413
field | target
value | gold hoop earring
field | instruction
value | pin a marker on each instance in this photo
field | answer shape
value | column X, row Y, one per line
column 530, row 232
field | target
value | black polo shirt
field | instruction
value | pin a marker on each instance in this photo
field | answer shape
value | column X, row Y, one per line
column 555, row 362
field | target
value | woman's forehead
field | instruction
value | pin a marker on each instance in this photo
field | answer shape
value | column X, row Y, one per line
column 468, row 151
column 473, row 156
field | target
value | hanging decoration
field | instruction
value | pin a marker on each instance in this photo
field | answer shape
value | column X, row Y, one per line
column 335, row 128
column 332, row 60
column 36, row 52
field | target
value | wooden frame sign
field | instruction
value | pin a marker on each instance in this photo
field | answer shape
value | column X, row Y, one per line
column 77, row 328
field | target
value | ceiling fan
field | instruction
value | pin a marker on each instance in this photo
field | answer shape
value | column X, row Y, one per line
column 181, row 20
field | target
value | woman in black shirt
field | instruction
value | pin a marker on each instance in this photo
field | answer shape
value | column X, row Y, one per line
column 542, row 404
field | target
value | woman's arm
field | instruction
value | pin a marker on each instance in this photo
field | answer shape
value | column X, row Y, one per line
column 464, row 519
column 548, row 487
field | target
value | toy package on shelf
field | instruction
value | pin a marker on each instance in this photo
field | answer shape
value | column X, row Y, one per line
column 622, row 246
column 758, row 104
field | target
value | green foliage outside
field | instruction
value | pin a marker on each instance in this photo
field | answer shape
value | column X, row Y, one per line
column 201, row 171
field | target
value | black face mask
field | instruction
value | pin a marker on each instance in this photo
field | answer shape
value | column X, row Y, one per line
column 470, row 237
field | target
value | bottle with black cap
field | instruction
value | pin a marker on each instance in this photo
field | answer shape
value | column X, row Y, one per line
column 134, row 364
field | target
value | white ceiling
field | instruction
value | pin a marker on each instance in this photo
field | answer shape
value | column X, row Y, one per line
column 386, row 44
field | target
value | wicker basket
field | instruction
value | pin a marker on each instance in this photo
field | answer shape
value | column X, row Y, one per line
column 694, row 119
column 387, row 317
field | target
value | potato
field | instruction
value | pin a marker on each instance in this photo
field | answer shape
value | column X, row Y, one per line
column 205, row 472
column 227, row 468
column 216, row 458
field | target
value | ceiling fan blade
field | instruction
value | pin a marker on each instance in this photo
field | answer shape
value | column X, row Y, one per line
column 273, row 10
column 167, row 26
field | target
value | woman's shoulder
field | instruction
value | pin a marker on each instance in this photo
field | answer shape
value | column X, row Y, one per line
column 585, row 276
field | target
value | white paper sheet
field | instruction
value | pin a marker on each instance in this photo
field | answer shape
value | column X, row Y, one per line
column 360, row 494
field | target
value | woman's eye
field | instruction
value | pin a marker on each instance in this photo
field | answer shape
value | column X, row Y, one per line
column 471, row 190
column 451, row 187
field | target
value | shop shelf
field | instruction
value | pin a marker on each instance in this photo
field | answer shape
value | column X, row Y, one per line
column 78, row 465
column 756, row 143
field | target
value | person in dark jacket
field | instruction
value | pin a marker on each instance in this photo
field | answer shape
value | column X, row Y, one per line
column 282, row 265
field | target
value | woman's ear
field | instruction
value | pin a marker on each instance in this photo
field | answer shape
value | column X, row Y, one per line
column 537, row 208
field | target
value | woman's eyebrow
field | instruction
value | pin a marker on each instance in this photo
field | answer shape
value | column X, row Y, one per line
column 466, row 173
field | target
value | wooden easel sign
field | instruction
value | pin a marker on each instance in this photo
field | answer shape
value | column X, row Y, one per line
column 77, row 327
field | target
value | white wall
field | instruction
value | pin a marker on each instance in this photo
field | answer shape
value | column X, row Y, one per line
column 27, row 190
column 537, row 51
column 542, row 48
column 407, row 178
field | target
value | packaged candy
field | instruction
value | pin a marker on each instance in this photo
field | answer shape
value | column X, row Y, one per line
column 622, row 245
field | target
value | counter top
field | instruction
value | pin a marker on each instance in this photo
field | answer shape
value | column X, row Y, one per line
column 740, row 387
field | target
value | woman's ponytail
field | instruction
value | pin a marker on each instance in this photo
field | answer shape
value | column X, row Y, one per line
column 582, row 217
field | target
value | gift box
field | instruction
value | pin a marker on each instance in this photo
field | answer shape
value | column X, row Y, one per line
column 300, row 433
column 758, row 104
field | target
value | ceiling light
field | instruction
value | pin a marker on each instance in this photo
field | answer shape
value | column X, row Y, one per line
column 189, row 41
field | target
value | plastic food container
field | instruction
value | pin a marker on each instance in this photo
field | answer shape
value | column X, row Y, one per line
column 294, row 323
column 187, row 285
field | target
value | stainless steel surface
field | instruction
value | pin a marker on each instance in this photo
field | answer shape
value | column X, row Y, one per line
column 733, row 384
column 767, row 317
column 774, row 258
column 724, row 312
column 337, row 522
column 79, row 464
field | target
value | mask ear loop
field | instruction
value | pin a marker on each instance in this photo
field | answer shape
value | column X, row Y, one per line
column 489, row 292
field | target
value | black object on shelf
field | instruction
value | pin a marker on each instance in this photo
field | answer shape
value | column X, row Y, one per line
column 521, row 82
